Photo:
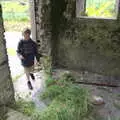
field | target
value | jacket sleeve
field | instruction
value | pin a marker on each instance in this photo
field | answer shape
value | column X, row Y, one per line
column 19, row 47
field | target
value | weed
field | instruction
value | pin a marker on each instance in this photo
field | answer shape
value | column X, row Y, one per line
column 50, row 81
column 25, row 107
column 52, row 92
column 68, row 101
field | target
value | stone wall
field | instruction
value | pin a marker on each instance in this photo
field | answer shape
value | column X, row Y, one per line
column 84, row 44
column 43, row 25
column 6, row 86
column 91, row 45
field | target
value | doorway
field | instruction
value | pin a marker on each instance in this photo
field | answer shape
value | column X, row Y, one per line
column 16, row 17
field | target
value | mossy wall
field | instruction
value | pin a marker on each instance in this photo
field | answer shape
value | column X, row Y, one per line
column 84, row 44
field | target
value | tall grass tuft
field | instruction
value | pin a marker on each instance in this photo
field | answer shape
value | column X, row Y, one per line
column 68, row 101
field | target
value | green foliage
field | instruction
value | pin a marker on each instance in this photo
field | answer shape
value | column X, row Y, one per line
column 15, row 11
column 67, row 76
column 104, row 8
column 16, row 16
column 76, row 99
column 49, row 81
column 69, row 101
column 52, row 92
column 69, row 105
column 25, row 107
column 57, row 87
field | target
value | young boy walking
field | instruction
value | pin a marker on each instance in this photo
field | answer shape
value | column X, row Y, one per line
column 27, row 51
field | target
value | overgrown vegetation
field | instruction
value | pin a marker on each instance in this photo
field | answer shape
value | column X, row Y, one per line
column 16, row 15
column 98, row 8
column 17, row 11
column 68, row 101
column 25, row 107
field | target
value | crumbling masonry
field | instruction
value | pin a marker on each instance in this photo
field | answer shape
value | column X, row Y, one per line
column 6, row 86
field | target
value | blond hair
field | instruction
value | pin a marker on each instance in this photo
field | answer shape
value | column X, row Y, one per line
column 26, row 30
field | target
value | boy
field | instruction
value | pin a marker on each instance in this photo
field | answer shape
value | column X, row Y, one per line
column 27, row 51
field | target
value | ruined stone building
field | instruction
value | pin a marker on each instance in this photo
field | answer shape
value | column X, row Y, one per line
column 91, row 45
column 6, row 87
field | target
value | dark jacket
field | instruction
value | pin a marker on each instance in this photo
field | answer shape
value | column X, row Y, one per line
column 28, row 49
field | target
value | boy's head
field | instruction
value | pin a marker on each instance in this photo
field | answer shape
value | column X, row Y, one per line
column 26, row 33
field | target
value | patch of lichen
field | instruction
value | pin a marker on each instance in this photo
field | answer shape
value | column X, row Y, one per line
column 104, row 37
column 100, row 35
column 93, row 44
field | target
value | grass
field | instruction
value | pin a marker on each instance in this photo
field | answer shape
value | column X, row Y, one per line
column 16, row 16
column 68, row 101
column 49, row 81
column 66, row 106
column 24, row 107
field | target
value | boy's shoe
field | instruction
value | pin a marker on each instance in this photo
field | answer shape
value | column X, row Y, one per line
column 32, row 76
column 30, row 85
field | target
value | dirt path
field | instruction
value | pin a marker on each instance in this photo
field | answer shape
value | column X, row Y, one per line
column 22, row 91
column 12, row 39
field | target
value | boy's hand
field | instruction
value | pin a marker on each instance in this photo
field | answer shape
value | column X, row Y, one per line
column 21, row 57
